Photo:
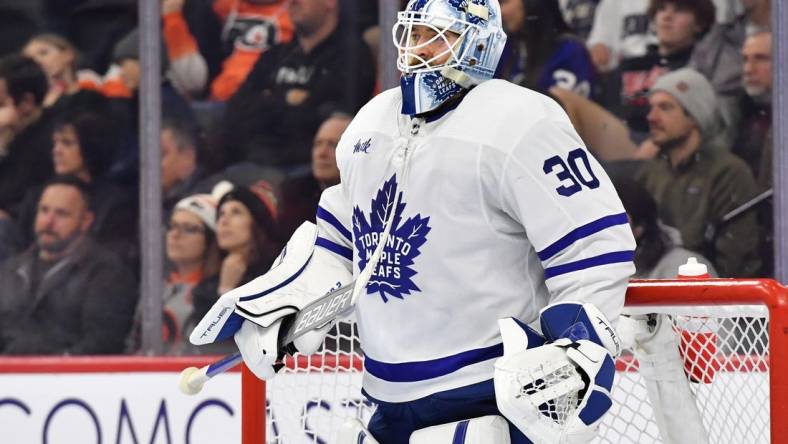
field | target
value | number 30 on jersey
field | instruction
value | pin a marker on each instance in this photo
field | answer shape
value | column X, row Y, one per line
column 573, row 173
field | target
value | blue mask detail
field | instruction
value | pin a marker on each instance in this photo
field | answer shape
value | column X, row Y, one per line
column 424, row 92
column 480, row 43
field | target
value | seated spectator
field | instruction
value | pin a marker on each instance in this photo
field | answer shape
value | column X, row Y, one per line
column 754, row 143
column 25, row 130
column 193, row 255
column 69, row 91
column 273, row 117
column 82, row 146
column 300, row 195
column 555, row 57
column 679, row 25
column 659, row 253
column 621, row 31
column 57, row 57
column 718, row 55
column 180, row 162
column 225, row 37
column 126, row 56
column 247, row 235
column 756, row 135
column 694, row 184
column 66, row 294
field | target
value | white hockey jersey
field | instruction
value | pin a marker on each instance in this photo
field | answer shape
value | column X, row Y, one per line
column 501, row 211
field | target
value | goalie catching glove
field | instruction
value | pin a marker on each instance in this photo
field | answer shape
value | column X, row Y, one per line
column 556, row 388
column 255, row 313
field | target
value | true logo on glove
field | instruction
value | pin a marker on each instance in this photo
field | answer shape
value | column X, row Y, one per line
column 613, row 336
column 214, row 322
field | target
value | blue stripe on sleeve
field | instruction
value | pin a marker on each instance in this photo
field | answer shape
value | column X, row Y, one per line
column 340, row 250
column 582, row 232
column 603, row 259
column 421, row 370
column 324, row 214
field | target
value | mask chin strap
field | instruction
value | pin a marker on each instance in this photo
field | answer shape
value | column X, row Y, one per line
column 457, row 77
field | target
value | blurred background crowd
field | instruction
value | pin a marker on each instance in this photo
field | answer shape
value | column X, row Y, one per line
column 673, row 97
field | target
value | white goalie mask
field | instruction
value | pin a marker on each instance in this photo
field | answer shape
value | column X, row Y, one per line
column 469, row 39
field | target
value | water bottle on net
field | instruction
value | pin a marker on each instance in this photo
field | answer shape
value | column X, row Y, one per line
column 698, row 345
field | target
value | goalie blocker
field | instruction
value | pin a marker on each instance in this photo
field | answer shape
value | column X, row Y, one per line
column 301, row 275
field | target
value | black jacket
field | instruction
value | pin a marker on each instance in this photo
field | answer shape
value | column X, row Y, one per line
column 276, row 112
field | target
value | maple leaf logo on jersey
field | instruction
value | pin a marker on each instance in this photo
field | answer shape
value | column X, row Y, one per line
column 393, row 275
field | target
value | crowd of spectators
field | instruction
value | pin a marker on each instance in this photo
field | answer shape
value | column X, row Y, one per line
column 672, row 96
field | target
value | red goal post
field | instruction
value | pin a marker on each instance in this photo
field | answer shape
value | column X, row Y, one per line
column 662, row 296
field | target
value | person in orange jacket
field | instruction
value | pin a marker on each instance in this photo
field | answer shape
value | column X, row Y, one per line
column 247, row 28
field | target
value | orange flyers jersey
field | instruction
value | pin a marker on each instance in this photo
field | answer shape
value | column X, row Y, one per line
column 249, row 29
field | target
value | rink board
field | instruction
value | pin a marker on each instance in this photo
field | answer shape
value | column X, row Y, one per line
column 111, row 401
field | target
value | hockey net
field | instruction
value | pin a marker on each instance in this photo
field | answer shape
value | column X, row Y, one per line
column 709, row 379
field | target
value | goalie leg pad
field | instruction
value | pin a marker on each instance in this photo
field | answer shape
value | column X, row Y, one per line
column 491, row 429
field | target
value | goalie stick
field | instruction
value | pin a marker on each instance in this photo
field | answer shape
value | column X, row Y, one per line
column 317, row 314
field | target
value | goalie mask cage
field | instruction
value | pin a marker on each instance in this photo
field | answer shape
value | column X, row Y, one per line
column 732, row 361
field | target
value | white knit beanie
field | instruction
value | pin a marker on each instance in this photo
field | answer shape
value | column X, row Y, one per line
column 204, row 205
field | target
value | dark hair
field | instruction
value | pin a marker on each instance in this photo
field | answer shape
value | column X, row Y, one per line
column 542, row 31
column 97, row 139
column 264, row 230
column 187, row 135
column 704, row 11
column 642, row 210
column 84, row 188
column 23, row 76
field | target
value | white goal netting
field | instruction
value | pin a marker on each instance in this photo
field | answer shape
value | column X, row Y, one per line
column 703, row 379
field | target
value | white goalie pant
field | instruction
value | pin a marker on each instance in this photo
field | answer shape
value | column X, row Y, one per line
column 491, row 429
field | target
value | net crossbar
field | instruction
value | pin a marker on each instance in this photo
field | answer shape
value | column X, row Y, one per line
column 724, row 330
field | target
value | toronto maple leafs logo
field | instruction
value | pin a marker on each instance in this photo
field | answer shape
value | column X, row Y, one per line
column 362, row 147
column 393, row 274
column 438, row 87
